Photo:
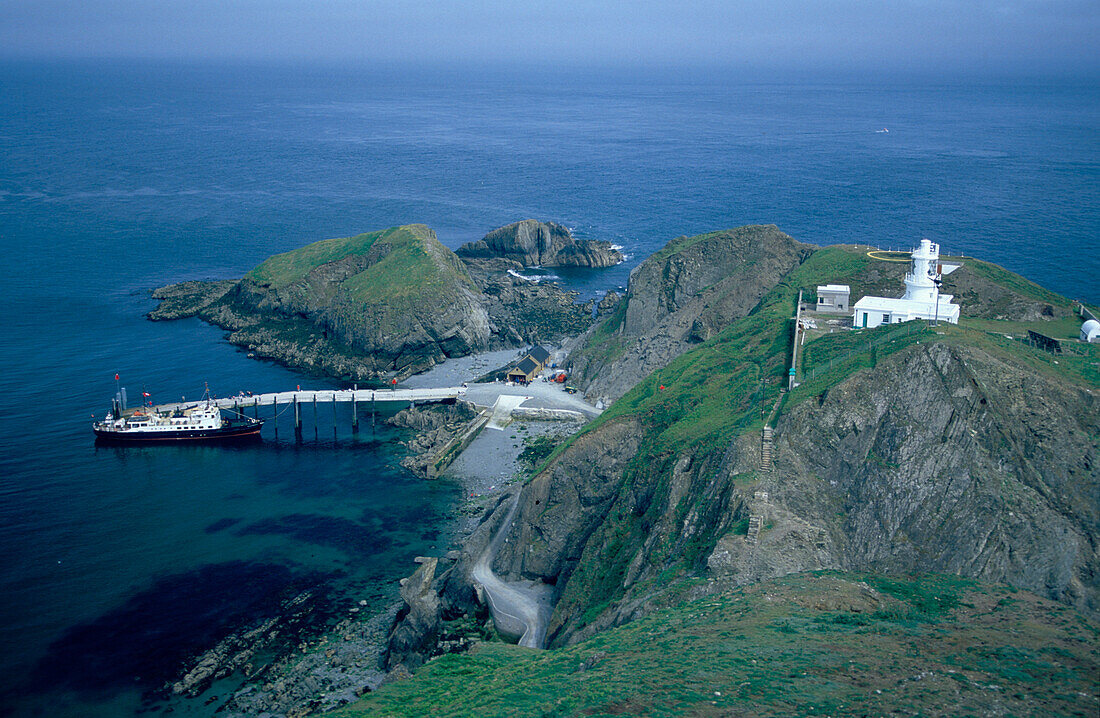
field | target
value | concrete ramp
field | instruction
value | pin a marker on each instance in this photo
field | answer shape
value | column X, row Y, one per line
column 502, row 410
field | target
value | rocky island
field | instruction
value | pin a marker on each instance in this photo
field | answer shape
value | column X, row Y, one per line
column 906, row 518
column 543, row 244
column 395, row 302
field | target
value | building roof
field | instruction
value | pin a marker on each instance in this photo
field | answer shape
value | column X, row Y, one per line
column 834, row 288
column 908, row 306
column 539, row 353
column 884, row 304
column 527, row 366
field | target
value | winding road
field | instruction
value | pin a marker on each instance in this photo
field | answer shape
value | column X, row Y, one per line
column 519, row 608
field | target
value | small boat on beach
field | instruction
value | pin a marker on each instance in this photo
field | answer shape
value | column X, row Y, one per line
column 202, row 422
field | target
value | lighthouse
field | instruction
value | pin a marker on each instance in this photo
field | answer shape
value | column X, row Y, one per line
column 922, row 298
column 921, row 284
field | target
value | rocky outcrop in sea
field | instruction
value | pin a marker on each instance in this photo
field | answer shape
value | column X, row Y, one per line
column 543, row 244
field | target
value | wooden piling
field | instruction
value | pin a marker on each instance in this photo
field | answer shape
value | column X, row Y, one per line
column 354, row 414
column 297, row 415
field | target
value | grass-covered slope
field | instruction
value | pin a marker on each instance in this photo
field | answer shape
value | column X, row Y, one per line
column 283, row 270
column 393, row 300
column 681, row 296
column 958, row 450
column 401, row 268
column 811, row 644
column 692, row 480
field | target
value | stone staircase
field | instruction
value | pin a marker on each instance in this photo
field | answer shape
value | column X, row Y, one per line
column 766, row 449
column 756, row 520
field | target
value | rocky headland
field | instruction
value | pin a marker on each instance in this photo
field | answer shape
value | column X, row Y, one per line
column 382, row 304
column 959, row 450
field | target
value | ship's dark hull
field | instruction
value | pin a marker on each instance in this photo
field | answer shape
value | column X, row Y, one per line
column 243, row 432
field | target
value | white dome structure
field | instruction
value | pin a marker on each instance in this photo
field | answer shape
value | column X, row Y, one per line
column 1090, row 331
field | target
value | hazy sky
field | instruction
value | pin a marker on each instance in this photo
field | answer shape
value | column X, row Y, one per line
column 907, row 35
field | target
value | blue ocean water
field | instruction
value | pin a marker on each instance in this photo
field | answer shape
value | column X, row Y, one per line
column 118, row 178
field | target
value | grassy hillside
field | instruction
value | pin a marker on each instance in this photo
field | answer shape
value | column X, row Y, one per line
column 281, row 270
column 410, row 265
column 716, row 390
column 724, row 389
column 808, row 644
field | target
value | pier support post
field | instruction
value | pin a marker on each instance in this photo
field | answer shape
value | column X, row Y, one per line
column 372, row 408
column 256, row 408
column 354, row 414
column 275, row 414
column 297, row 417
column 315, row 429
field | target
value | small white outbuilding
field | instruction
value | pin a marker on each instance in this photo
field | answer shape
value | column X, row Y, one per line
column 833, row 298
column 1090, row 331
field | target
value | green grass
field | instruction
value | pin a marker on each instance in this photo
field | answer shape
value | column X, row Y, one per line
column 605, row 344
column 282, row 270
column 821, row 643
column 413, row 270
column 1064, row 328
column 1014, row 282
column 714, row 392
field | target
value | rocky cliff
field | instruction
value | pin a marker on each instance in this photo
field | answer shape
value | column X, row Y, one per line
column 958, row 449
column 393, row 302
column 533, row 243
column 679, row 297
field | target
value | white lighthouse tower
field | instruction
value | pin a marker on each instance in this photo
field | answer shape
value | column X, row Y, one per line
column 922, row 298
column 921, row 284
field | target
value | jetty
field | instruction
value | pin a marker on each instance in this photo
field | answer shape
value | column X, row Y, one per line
column 297, row 398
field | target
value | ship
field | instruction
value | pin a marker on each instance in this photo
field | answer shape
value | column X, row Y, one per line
column 201, row 422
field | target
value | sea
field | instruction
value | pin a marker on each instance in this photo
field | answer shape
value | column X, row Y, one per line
column 118, row 177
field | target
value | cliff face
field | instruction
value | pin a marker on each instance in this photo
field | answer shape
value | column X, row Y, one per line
column 952, row 459
column 682, row 295
column 545, row 244
column 943, row 458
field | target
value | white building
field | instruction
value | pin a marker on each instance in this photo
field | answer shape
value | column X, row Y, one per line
column 922, row 298
column 1090, row 331
column 833, row 298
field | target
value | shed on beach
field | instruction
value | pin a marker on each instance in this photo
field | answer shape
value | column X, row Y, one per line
column 540, row 354
column 525, row 371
